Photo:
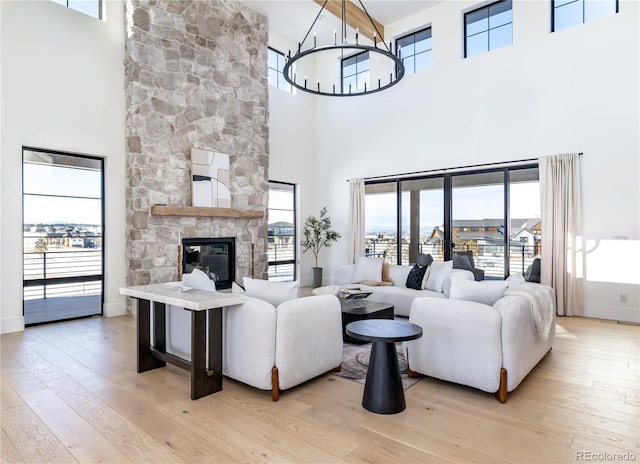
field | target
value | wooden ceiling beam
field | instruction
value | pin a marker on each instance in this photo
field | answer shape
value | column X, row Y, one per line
column 356, row 18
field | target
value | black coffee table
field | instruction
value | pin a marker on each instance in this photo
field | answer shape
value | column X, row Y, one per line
column 361, row 309
column 383, row 392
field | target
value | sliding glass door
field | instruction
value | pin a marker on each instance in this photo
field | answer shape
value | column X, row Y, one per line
column 494, row 214
column 525, row 213
column 63, row 211
column 478, row 219
column 381, row 220
column 422, row 218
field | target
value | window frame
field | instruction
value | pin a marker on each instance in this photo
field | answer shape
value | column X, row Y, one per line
column 448, row 220
column 62, row 279
column 279, row 73
column 294, row 261
column 486, row 7
column 414, row 34
column 100, row 4
column 357, row 73
column 553, row 8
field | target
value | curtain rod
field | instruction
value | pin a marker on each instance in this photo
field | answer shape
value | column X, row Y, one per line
column 415, row 173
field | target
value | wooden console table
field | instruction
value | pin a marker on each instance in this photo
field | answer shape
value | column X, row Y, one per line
column 206, row 313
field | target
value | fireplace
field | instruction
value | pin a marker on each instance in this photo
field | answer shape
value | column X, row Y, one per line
column 216, row 257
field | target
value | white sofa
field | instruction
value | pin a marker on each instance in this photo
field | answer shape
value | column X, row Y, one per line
column 271, row 347
column 488, row 347
column 397, row 294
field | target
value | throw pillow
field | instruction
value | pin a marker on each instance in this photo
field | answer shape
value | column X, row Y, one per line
column 424, row 259
column 271, row 291
column 485, row 291
column 399, row 273
column 458, row 274
column 414, row 279
column 367, row 269
column 425, row 279
column 386, row 277
column 237, row 289
column 198, row 280
column 461, row 262
column 437, row 275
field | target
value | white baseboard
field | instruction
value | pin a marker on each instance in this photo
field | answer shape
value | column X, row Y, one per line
column 614, row 313
column 11, row 324
column 114, row 309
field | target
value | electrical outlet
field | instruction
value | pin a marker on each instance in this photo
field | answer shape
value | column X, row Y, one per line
column 623, row 298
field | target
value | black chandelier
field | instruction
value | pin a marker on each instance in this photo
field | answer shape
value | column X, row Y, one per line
column 389, row 66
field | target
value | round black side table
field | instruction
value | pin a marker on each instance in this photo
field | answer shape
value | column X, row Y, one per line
column 383, row 392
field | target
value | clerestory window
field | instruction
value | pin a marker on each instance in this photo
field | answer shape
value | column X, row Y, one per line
column 567, row 13
column 355, row 72
column 275, row 65
column 88, row 7
column 488, row 28
column 415, row 51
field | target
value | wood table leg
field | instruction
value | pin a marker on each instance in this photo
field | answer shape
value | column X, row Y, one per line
column 383, row 392
column 203, row 380
column 159, row 327
column 146, row 361
column 215, row 347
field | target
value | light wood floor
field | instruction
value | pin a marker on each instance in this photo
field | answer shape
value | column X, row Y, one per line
column 70, row 393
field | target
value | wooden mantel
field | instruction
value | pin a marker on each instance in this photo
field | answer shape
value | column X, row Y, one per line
column 203, row 211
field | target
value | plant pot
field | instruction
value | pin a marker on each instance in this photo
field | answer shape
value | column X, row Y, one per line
column 316, row 277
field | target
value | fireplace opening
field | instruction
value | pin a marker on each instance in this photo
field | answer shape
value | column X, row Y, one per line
column 216, row 257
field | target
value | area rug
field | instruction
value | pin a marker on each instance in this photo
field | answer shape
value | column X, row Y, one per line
column 355, row 361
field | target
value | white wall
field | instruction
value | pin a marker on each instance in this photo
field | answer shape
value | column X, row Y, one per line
column 62, row 87
column 575, row 90
column 292, row 151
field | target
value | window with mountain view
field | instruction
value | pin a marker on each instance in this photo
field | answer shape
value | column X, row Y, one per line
column 63, row 214
column 462, row 211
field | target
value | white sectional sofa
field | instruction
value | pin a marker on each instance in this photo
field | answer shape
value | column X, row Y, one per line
column 396, row 293
column 487, row 335
column 488, row 347
column 270, row 346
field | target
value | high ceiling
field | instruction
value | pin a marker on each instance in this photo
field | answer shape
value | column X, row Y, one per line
column 292, row 18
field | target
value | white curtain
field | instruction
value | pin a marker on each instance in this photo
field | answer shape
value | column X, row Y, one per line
column 561, row 259
column 356, row 219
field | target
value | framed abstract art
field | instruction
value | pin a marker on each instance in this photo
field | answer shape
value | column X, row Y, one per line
column 210, row 184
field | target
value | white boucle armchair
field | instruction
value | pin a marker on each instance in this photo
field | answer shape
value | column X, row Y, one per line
column 268, row 347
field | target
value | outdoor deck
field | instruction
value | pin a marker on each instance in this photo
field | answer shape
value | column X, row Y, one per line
column 42, row 310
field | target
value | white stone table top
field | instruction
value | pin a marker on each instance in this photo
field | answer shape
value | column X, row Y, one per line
column 186, row 297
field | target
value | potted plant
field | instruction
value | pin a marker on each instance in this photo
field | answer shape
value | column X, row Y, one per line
column 318, row 234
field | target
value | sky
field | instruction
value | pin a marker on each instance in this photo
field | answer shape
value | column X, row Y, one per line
column 48, row 190
column 468, row 203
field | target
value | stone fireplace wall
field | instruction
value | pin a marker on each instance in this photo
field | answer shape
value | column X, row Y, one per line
column 196, row 76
